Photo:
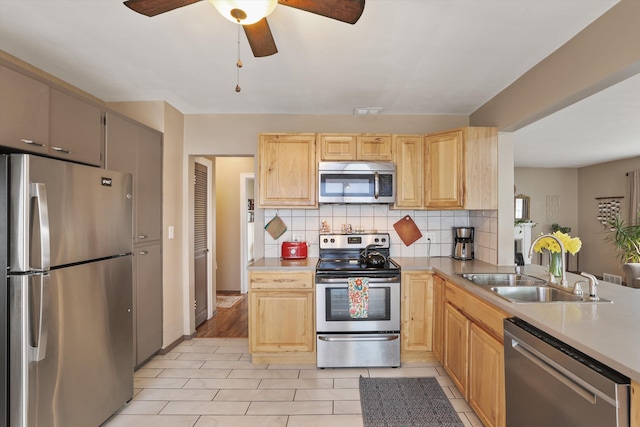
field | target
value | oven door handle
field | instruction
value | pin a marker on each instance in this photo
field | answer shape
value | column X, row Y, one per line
column 371, row 279
column 355, row 338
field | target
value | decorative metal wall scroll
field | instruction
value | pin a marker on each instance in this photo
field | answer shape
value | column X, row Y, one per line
column 608, row 208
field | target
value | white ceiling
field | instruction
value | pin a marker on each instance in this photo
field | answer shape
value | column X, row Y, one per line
column 452, row 58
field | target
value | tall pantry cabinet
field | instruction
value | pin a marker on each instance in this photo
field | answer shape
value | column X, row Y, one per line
column 136, row 149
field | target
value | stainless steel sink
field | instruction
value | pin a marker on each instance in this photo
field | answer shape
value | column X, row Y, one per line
column 503, row 279
column 522, row 294
column 521, row 288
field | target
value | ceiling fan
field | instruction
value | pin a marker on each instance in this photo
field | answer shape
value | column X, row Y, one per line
column 255, row 26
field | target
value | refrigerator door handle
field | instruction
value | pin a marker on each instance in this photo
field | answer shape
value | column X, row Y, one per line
column 43, row 258
column 38, row 351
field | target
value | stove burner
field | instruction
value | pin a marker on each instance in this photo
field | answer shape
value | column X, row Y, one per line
column 353, row 265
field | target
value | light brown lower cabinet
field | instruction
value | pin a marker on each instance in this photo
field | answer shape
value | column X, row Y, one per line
column 438, row 317
column 416, row 310
column 486, row 377
column 456, row 347
column 281, row 317
column 473, row 354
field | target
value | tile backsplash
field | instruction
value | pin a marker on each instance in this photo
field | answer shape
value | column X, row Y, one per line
column 306, row 223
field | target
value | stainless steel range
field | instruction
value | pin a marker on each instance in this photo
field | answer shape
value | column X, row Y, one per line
column 357, row 302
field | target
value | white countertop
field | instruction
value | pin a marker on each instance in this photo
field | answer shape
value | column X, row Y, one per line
column 608, row 332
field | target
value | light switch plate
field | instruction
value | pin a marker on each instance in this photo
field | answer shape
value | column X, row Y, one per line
column 430, row 237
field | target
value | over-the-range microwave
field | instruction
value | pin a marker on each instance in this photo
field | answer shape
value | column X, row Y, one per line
column 357, row 182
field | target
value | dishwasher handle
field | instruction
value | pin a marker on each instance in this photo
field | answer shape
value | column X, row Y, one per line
column 575, row 383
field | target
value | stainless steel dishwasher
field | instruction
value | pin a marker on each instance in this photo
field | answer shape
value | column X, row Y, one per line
column 551, row 384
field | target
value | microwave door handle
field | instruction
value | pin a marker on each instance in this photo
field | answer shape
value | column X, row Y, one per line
column 376, row 185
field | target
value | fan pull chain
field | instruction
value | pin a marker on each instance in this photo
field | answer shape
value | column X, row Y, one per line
column 239, row 63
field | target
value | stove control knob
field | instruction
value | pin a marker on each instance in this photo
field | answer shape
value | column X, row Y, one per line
column 333, row 240
column 325, row 240
column 376, row 240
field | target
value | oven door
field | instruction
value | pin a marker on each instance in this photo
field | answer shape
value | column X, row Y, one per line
column 332, row 305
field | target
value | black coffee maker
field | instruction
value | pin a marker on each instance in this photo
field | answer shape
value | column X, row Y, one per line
column 463, row 243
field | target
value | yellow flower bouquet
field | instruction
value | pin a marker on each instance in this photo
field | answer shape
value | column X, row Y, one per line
column 571, row 244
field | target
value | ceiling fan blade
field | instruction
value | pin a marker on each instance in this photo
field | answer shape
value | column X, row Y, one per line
column 260, row 38
column 348, row 11
column 156, row 7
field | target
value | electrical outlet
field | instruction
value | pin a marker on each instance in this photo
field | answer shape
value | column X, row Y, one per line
column 430, row 237
column 297, row 237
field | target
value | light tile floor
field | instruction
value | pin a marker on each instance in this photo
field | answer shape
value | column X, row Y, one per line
column 211, row 382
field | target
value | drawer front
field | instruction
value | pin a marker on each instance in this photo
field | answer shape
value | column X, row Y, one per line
column 281, row 280
column 483, row 314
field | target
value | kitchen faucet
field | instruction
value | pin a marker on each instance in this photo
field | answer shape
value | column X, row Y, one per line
column 563, row 282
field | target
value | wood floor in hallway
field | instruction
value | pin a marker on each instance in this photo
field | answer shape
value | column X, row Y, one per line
column 229, row 322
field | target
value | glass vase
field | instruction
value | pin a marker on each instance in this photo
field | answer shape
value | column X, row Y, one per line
column 555, row 265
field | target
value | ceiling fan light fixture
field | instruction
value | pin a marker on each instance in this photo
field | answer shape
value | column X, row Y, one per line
column 245, row 12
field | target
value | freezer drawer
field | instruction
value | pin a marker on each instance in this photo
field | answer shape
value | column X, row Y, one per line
column 71, row 344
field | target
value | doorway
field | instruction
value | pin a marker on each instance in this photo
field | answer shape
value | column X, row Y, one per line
column 231, row 248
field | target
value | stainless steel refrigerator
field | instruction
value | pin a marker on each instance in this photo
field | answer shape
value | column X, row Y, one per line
column 67, row 338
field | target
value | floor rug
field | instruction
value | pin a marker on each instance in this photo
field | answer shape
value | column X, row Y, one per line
column 406, row 402
column 226, row 301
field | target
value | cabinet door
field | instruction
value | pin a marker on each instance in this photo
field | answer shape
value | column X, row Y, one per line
column 121, row 149
column 287, row 170
column 373, row 147
column 438, row 317
column 281, row 321
column 417, row 312
column 337, row 147
column 76, row 129
column 137, row 150
column 486, row 377
column 408, row 155
column 481, row 168
column 444, row 178
column 456, row 342
column 24, row 112
column 147, row 301
column 149, row 186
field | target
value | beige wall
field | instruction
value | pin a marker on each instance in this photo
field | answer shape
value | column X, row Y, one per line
column 228, row 241
column 603, row 180
column 538, row 183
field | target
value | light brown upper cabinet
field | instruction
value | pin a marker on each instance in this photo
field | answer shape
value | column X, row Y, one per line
column 462, row 169
column 455, row 169
column 408, row 155
column 346, row 147
column 287, row 170
column 337, row 147
column 444, row 178
column 373, row 147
